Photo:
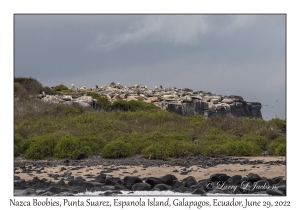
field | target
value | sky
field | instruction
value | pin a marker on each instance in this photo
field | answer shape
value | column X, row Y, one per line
column 225, row 54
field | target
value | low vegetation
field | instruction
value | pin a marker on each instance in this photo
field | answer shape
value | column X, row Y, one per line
column 124, row 129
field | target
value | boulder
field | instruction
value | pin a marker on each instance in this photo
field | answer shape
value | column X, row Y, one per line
column 167, row 97
column 79, row 156
column 132, row 98
column 234, row 180
column 129, row 181
column 187, row 99
column 168, row 179
column 69, row 103
column 153, row 181
column 101, row 178
column 153, row 99
column 214, row 101
column 82, row 104
column 85, row 99
column 82, row 88
column 66, row 98
column 227, row 101
column 141, row 187
column 162, row 187
column 51, row 99
column 275, row 192
column 253, row 177
column 199, row 191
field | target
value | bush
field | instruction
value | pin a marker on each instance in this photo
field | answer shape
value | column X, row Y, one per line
column 48, row 91
column 67, row 147
column 63, row 110
column 279, row 123
column 91, row 145
column 185, row 148
column 120, row 105
column 17, row 144
column 159, row 150
column 277, row 143
column 116, row 149
column 140, row 105
column 217, row 142
column 216, row 136
column 241, row 148
column 61, row 88
column 281, row 150
column 196, row 120
column 261, row 141
column 123, row 105
column 25, row 87
column 40, row 147
column 102, row 101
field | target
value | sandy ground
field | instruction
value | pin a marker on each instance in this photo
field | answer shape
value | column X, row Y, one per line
column 199, row 173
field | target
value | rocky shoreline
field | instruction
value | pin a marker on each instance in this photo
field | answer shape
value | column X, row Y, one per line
column 183, row 101
column 192, row 175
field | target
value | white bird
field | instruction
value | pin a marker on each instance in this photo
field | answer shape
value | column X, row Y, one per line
column 273, row 104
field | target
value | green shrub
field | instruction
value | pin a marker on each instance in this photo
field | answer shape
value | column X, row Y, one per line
column 61, row 88
column 102, row 101
column 40, row 147
column 184, row 148
column 120, row 105
column 67, row 147
column 280, row 124
column 159, row 150
column 210, row 143
column 261, row 141
column 63, row 110
column 259, row 127
column 136, row 141
column 215, row 135
column 210, row 149
column 241, row 148
column 196, row 120
column 278, row 142
column 48, row 91
column 91, row 145
column 116, row 149
column 281, row 150
column 140, row 105
column 17, row 144
column 123, row 105
column 217, row 142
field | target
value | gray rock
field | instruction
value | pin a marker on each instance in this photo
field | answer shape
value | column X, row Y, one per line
column 141, row 187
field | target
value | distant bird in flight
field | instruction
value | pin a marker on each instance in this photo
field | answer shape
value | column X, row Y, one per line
column 273, row 104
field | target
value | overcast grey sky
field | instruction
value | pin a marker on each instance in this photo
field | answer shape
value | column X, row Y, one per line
column 225, row 54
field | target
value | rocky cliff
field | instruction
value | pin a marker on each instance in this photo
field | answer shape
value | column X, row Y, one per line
column 181, row 101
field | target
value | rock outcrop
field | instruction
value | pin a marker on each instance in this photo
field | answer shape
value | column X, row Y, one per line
column 181, row 101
